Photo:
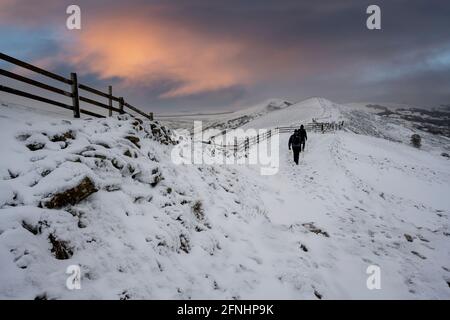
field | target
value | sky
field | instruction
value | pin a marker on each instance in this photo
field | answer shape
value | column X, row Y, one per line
column 206, row 55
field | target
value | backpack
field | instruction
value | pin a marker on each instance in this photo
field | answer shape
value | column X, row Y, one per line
column 296, row 140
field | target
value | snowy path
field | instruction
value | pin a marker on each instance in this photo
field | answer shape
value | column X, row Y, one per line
column 355, row 192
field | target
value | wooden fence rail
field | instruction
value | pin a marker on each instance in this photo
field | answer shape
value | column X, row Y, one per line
column 247, row 142
column 75, row 89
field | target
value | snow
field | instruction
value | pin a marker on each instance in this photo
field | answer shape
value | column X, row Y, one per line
column 250, row 237
column 378, row 106
column 227, row 119
column 349, row 189
column 299, row 113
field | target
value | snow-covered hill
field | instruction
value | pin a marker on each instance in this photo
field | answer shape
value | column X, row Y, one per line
column 142, row 227
column 299, row 113
column 225, row 120
column 268, row 114
column 398, row 122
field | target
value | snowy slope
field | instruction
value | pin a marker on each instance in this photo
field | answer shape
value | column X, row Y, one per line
column 195, row 234
column 374, row 107
column 224, row 120
column 157, row 230
column 369, row 195
column 299, row 113
column 266, row 115
column 394, row 125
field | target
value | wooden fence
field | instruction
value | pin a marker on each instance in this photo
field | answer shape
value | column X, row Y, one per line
column 315, row 126
column 245, row 144
column 74, row 92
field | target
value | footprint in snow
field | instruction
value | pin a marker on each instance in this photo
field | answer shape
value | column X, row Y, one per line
column 418, row 254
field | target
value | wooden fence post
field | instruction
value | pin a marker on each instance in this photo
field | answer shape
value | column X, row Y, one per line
column 110, row 100
column 150, row 114
column 75, row 96
column 235, row 146
column 121, row 104
column 246, row 145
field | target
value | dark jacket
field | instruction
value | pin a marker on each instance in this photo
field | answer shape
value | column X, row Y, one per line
column 303, row 136
column 295, row 140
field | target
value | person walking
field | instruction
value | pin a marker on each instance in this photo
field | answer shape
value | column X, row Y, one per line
column 303, row 137
column 296, row 143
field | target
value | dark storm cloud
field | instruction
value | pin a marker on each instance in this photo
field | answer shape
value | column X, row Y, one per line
column 287, row 48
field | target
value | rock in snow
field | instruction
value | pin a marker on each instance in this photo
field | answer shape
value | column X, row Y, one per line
column 73, row 195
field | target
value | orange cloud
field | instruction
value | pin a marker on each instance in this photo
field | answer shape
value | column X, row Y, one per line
column 152, row 44
column 145, row 50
